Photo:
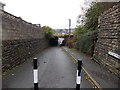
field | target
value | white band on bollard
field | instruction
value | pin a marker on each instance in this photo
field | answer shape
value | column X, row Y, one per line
column 78, row 78
column 35, row 73
column 35, row 76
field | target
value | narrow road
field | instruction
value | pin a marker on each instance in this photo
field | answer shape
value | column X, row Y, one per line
column 56, row 70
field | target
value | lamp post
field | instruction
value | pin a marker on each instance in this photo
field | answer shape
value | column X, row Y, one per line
column 69, row 27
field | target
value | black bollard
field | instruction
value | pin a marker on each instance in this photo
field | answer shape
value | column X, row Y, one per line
column 78, row 77
column 35, row 70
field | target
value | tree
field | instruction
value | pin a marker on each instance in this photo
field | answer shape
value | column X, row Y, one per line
column 48, row 31
column 90, row 15
column 86, row 34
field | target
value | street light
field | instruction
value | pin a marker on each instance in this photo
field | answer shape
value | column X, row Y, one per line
column 69, row 27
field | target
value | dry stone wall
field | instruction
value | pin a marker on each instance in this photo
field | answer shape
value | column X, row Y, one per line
column 109, row 39
column 20, row 40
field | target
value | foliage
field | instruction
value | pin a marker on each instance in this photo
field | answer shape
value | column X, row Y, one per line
column 93, row 13
column 80, row 31
column 48, row 31
column 86, row 35
column 86, row 42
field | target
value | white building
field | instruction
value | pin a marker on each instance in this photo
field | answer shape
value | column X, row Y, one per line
column 2, row 6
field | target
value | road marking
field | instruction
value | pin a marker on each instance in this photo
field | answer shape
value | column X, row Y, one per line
column 74, row 60
column 92, row 81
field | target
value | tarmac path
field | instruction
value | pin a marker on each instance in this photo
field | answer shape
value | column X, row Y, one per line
column 56, row 70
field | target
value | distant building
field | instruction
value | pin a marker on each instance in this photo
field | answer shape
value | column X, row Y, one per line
column 2, row 6
column 39, row 25
column 64, row 31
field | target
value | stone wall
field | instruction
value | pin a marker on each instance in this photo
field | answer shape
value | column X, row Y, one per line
column 20, row 40
column 109, row 39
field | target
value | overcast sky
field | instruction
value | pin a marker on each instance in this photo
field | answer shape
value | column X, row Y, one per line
column 54, row 13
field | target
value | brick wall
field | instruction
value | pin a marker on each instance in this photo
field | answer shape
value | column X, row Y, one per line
column 20, row 40
column 109, row 39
